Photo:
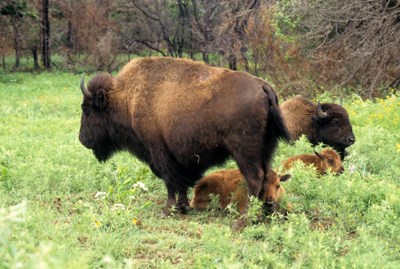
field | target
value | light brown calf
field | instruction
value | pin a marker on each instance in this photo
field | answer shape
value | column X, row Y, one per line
column 326, row 160
column 231, row 187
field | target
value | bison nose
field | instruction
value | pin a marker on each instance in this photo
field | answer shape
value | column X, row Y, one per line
column 270, row 203
column 351, row 140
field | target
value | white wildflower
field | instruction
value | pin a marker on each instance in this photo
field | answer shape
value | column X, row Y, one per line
column 108, row 259
column 141, row 185
column 118, row 207
column 100, row 195
column 352, row 168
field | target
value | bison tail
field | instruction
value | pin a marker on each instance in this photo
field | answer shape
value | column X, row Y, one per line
column 278, row 122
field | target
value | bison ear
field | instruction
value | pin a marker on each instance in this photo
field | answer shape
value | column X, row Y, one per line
column 100, row 99
column 319, row 155
column 285, row 177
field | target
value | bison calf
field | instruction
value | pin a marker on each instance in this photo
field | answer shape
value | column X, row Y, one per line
column 231, row 187
column 326, row 160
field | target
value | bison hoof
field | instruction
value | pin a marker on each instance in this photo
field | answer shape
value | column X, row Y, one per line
column 166, row 212
column 182, row 209
column 171, row 210
column 239, row 225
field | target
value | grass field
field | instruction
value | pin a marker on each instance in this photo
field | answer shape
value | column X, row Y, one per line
column 60, row 208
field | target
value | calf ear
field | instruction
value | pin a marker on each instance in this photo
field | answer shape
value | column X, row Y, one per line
column 319, row 155
column 100, row 99
column 285, row 177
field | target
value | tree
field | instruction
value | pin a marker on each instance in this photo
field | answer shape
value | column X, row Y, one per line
column 46, row 53
column 232, row 29
column 15, row 11
column 206, row 15
column 3, row 39
column 167, row 22
column 350, row 42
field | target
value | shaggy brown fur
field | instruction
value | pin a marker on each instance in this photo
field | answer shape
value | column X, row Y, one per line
column 230, row 186
column 182, row 117
column 333, row 128
column 326, row 160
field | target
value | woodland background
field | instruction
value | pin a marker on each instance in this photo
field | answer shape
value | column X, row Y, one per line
column 302, row 47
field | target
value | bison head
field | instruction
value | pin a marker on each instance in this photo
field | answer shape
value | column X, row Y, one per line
column 333, row 126
column 95, row 127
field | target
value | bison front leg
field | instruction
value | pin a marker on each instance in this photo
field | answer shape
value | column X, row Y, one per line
column 183, row 202
column 171, row 200
column 164, row 165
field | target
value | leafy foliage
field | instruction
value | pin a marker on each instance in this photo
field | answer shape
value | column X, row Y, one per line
column 100, row 215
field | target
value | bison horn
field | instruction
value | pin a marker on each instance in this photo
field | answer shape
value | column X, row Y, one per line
column 85, row 92
column 321, row 113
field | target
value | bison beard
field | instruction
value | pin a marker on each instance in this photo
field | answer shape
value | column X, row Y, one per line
column 182, row 117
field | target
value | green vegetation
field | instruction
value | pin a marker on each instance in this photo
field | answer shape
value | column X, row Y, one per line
column 60, row 208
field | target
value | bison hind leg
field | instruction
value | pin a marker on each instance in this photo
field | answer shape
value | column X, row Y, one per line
column 253, row 160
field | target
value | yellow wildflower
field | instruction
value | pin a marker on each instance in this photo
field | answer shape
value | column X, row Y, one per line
column 97, row 224
column 398, row 147
column 134, row 221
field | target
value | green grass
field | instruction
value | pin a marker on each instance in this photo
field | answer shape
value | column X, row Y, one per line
column 343, row 221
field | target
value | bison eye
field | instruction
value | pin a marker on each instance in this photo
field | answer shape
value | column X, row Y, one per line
column 278, row 186
column 330, row 161
column 85, row 109
column 335, row 121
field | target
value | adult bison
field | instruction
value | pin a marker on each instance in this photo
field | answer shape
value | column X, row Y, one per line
column 328, row 123
column 182, row 117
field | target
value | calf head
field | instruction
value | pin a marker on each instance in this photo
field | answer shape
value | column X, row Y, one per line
column 274, row 191
column 330, row 160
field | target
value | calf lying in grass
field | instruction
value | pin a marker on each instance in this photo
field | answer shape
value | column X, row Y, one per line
column 231, row 187
column 326, row 160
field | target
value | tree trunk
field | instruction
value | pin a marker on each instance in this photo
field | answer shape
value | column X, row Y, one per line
column 232, row 61
column 3, row 57
column 206, row 58
column 46, row 57
column 16, row 44
column 35, row 58
column 70, row 43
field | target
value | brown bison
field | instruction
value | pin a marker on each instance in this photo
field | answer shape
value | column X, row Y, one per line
column 327, row 123
column 182, row 117
column 230, row 187
column 326, row 160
